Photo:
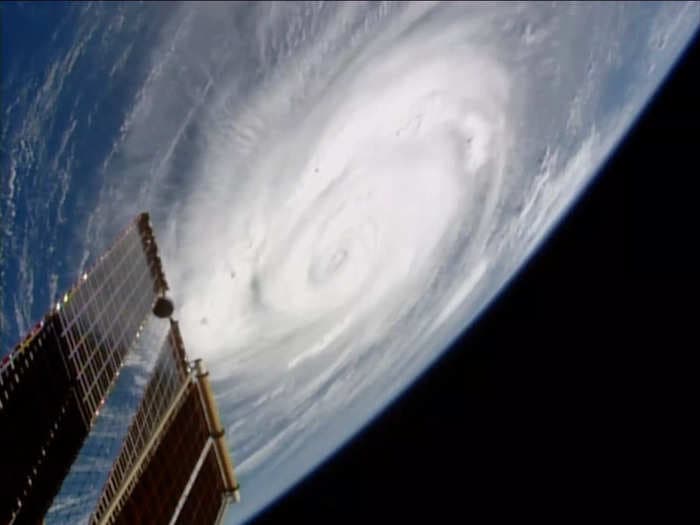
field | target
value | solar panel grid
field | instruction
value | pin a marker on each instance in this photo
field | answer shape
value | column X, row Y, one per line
column 92, row 326
column 166, row 380
column 92, row 468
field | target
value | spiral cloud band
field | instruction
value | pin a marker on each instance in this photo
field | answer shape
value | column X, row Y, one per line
column 359, row 202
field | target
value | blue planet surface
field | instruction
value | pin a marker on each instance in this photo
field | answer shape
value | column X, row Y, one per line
column 337, row 190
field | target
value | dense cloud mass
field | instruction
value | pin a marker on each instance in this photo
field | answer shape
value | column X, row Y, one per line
column 337, row 189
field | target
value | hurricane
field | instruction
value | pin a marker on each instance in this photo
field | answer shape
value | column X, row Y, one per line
column 341, row 208
column 351, row 206
column 338, row 189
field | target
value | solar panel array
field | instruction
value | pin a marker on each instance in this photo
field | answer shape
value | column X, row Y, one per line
column 55, row 381
column 167, row 379
column 174, row 465
column 82, row 488
column 102, row 316
column 156, row 453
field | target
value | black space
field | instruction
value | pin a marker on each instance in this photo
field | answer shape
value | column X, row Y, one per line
column 530, row 414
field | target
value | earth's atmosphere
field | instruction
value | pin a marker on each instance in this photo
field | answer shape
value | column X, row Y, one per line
column 337, row 189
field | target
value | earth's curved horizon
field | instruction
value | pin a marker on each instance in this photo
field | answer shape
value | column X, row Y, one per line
column 337, row 190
